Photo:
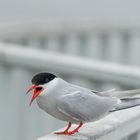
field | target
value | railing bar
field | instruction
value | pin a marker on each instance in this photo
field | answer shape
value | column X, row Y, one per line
column 75, row 65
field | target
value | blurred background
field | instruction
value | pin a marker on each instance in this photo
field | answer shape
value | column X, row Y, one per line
column 105, row 33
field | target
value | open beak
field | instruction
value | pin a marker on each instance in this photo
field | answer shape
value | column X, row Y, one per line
column 37, row 91
column 31, row 88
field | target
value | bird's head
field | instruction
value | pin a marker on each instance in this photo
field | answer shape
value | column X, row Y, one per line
column 38, row 84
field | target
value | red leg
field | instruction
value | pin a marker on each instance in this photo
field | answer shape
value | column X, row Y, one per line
column 65, row 131
column 76, row 129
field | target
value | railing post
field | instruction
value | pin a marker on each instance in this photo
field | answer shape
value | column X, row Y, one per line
column 94, row 47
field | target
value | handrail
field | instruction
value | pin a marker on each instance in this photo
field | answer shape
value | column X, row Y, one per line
column 97, row 70
column 113, row 127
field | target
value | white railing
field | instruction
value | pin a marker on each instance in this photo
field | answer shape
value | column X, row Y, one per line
column 18, row 64
column 70, row 65
column 116, row 126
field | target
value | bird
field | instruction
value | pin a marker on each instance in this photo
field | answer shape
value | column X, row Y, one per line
column 76, row 104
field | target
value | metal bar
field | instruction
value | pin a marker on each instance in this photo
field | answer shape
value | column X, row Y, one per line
column 40, row 60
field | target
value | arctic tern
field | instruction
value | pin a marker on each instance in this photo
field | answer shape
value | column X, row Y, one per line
column 75, row 104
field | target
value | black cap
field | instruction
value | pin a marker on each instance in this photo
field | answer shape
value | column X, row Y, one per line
column 42, row 78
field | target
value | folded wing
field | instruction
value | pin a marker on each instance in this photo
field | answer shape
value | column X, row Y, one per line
column 85, row 106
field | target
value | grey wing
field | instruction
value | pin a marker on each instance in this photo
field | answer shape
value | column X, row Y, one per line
column 84, row 106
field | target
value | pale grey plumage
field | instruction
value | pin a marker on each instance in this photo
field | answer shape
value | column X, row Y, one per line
column 73, row 103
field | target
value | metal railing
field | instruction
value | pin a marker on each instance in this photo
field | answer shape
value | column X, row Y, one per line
column 18, row 64
column 121, row 125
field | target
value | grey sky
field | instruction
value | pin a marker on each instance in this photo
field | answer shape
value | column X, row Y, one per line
column 98, row 10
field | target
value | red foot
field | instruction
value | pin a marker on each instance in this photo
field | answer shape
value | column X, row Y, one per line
column 66, row 131
column 61, row 133
column 76, row 129
column 71, row 132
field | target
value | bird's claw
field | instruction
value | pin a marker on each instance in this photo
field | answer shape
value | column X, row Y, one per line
column 66, row 132
column 72, row 132
column 62, row 133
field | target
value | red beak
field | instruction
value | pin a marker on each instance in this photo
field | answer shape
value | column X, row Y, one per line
column 37, row 91
column 31, row 88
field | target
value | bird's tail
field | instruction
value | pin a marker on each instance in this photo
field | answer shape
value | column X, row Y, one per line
column 126, row 103
column 127, row 98
column 122, row 94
